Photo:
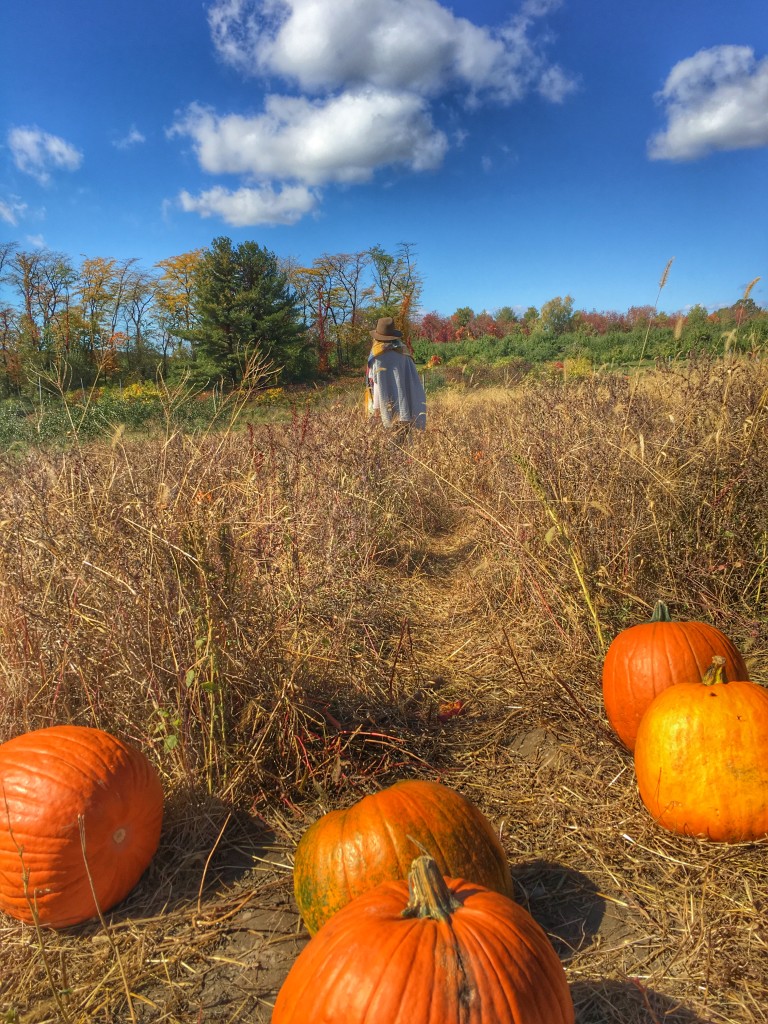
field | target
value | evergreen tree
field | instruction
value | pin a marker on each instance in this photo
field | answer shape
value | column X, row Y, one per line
column 244, row 308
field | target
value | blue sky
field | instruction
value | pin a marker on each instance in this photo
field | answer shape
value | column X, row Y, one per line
column 524, row 150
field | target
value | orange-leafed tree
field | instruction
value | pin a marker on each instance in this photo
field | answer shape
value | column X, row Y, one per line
column 315, row 289
column 10, row 363
column 174, row 288
column 104, row 288
column 174, row 300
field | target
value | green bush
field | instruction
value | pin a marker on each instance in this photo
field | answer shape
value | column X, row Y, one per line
column 83, row 416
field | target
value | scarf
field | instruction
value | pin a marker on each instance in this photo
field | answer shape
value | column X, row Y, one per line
column 379, row 347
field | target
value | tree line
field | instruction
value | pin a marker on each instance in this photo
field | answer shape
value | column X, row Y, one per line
column 206, row 315
column 557, row 317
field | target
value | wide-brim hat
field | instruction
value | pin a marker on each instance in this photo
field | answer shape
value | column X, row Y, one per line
column 386, row 330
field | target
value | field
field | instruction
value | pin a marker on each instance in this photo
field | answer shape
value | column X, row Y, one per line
column 289, row 615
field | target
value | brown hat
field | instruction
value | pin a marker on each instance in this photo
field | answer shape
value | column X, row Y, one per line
column 386, row 331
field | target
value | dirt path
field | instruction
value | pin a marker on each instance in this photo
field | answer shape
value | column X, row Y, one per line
column 454, row 631
column 255, row 947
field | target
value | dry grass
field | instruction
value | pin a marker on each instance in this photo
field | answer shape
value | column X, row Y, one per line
column 276, row 615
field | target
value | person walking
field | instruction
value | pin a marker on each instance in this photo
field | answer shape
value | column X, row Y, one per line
column 397, row 393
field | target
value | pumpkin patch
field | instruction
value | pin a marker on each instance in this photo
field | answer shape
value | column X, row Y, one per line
column 80, row 819
column 350, row 610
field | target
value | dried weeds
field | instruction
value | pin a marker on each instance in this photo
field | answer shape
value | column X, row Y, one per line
column 286, row 617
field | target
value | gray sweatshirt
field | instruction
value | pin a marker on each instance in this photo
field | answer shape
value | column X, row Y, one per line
column 398, row 393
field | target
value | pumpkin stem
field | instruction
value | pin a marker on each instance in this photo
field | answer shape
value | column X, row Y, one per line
column 429, row 895
column 661, row 613
column 716, row 671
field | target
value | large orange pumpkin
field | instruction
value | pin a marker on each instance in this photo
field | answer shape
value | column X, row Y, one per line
column 51, row 780
column 645, row 659
column 701, row 758
column 375, row 840
column 427, row 951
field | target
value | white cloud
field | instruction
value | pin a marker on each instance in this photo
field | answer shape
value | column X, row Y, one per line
column 418, row 45
column 248, row 206
column 554, row 84
column 37, row 153
column 133, row 138
column 342, row 139
column 715, row 100
column 362, row 76
column 12, row 210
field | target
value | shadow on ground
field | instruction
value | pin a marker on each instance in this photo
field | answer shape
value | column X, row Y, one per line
column 614, row 1002
column 205, row 847
column 565, row 903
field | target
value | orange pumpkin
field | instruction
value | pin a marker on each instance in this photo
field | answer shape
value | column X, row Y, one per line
column 701, row 758
column 645, row 659
column 427, row 951
column 349, row 851
column 51, row 780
